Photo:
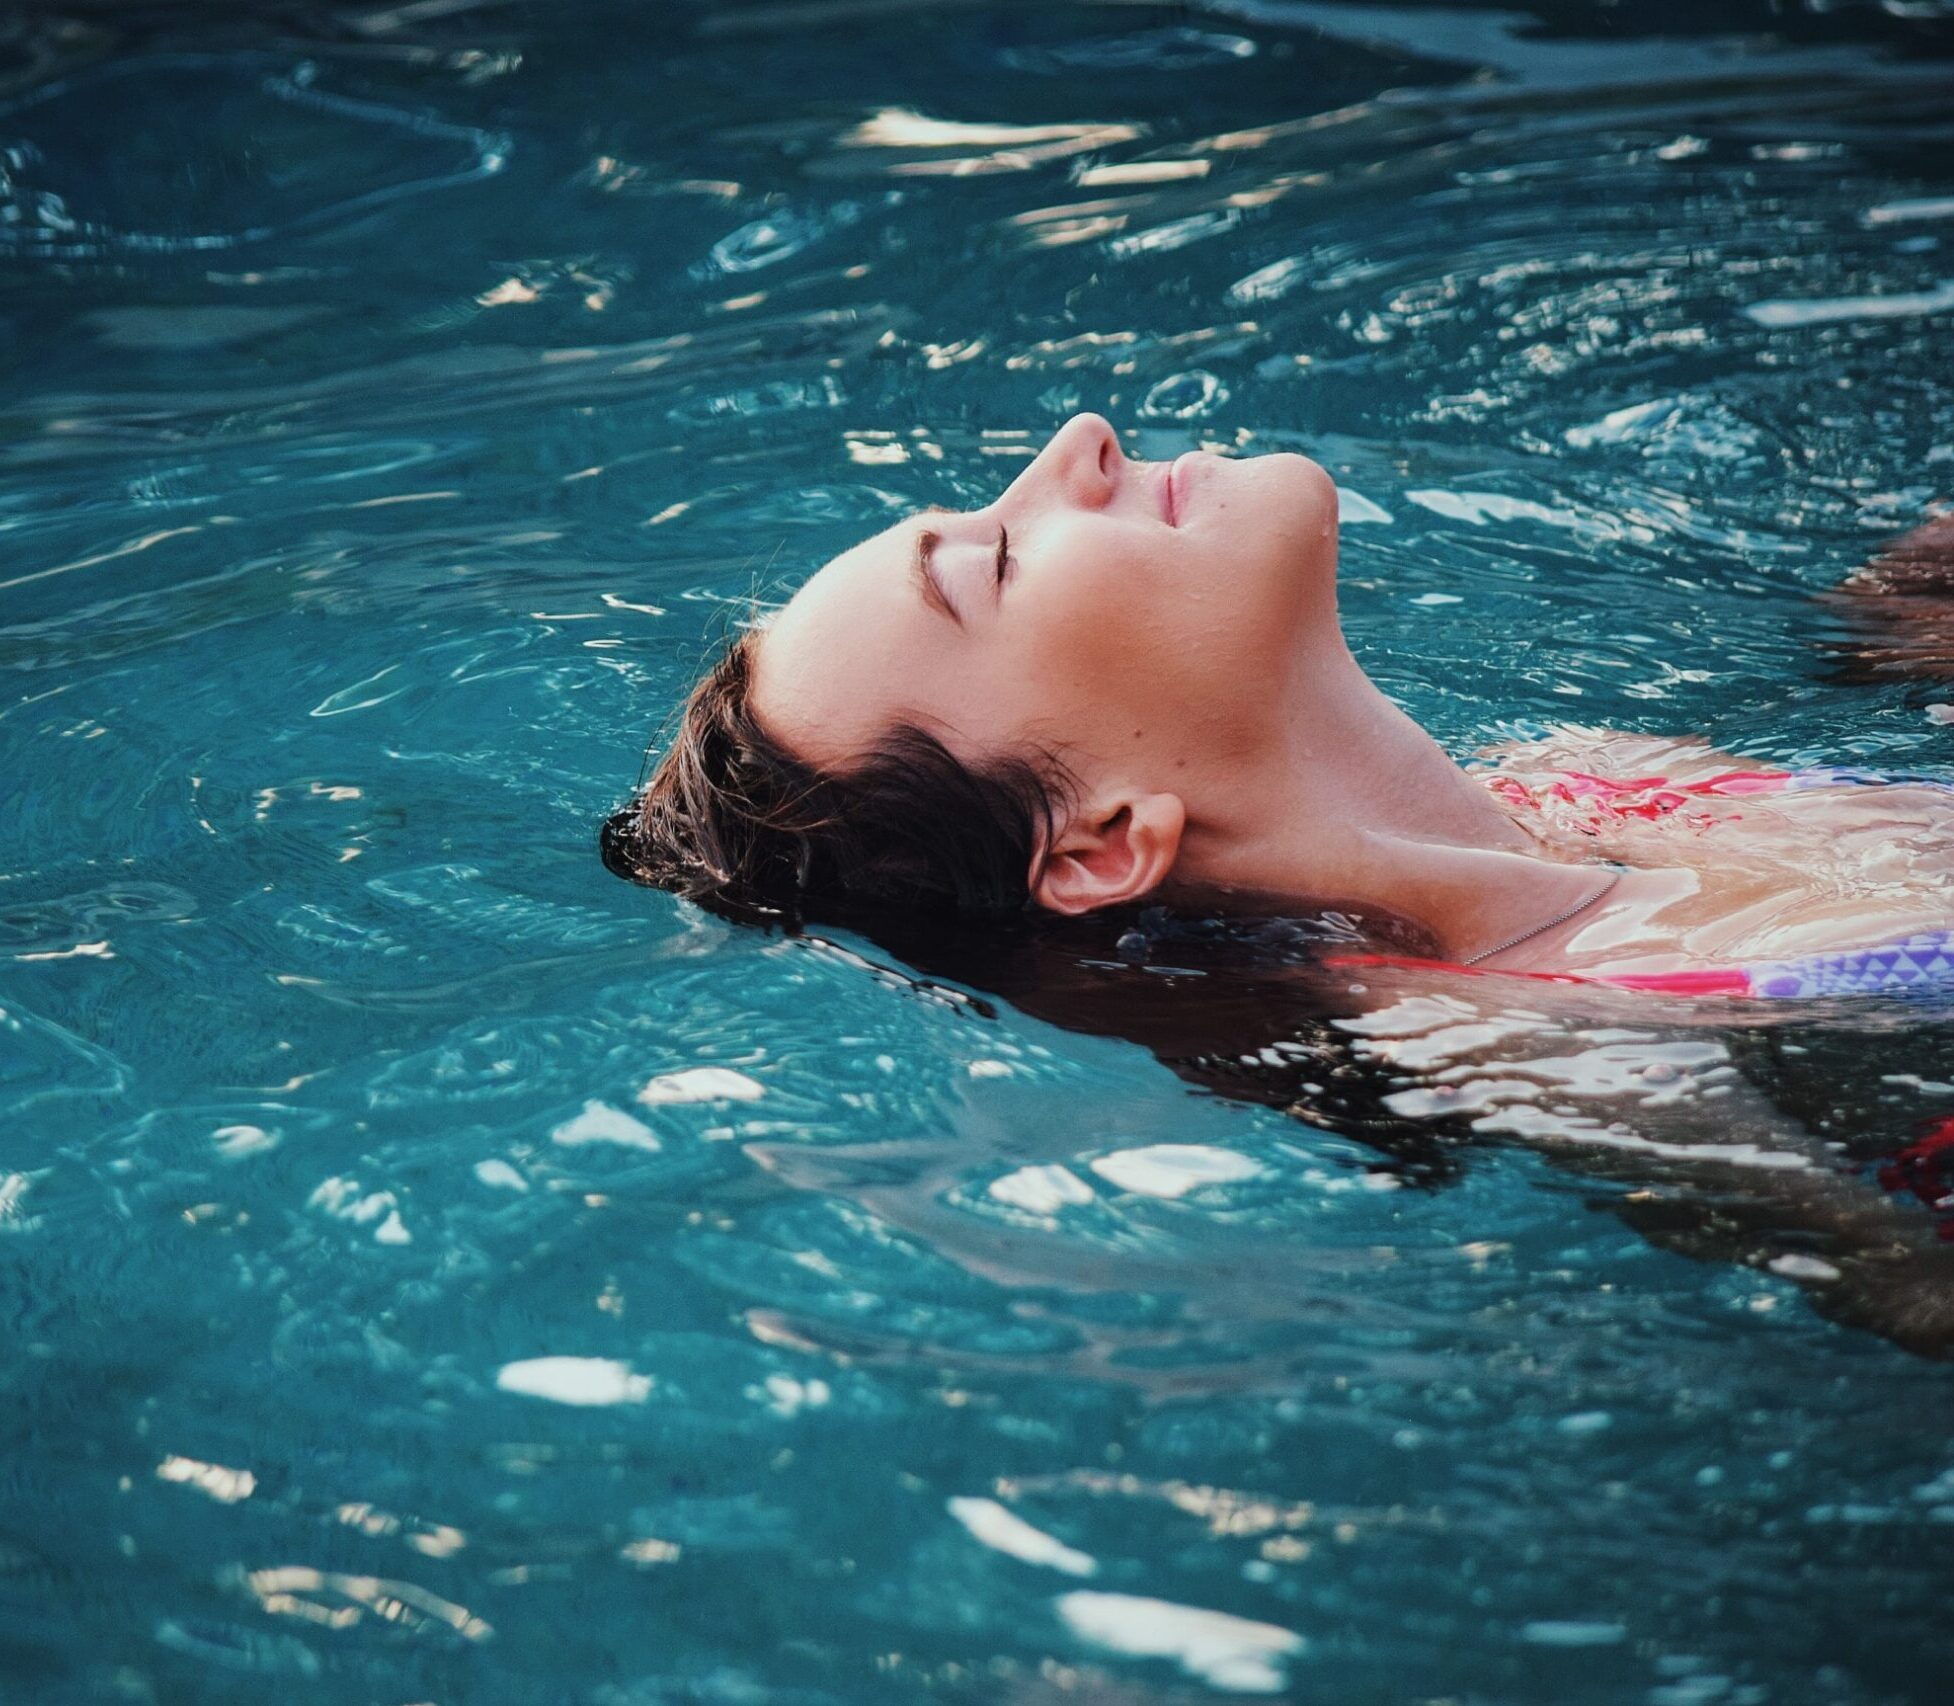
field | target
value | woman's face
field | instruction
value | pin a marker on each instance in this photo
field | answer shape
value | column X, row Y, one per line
column 1136, row 618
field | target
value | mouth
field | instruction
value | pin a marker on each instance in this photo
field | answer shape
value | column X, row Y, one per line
column 1170, row 499
column 1177, row 485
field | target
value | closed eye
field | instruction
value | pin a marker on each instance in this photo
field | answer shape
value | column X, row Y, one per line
column 1003, row 552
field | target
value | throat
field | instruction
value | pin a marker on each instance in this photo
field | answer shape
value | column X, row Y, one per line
column 1363, row 805
column 1391, row 777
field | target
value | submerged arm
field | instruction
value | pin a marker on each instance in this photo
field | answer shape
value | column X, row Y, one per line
column 1712, row 1168
column 1898, row 610
column 1896, row 613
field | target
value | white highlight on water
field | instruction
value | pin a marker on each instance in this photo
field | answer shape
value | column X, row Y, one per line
column 601, row 1123
column 1354, row 509
column 1226, row 1652
column 499, row 1175
column 226, row 1486
column 990, row 1524
column 360, row 696
column 1922, row 207
column 234, row 1142
column 1268, row 283
column 787, row 1396
column 1478, row 508
column 13, row 1186
column 1913, row 1081
column 1802, row 1267
column 342, row 1198
column 1041, row 1190
column 1173, row 1169
column 700, row 1084
column 575, row 1380
column 1824, row 310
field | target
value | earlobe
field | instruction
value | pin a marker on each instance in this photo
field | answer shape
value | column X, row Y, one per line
column 1118, row 851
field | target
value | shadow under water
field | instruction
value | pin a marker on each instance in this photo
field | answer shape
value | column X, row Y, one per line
column 1726, row 1131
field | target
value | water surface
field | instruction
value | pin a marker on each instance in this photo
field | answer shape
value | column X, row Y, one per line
column 402, row 402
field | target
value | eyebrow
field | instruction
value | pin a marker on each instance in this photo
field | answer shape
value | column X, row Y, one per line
column 925, row 569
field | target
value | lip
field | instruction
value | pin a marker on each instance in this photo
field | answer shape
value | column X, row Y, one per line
column 1170, row 498
column 1177, row 472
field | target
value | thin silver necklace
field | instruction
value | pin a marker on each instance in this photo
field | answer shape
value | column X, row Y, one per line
column 1606, row 888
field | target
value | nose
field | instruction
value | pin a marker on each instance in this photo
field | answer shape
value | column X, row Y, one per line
column 1081, row 464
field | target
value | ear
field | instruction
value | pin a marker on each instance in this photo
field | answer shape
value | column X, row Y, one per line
column 1118, row 850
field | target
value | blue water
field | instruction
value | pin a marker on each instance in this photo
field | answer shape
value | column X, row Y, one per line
column 400, row 403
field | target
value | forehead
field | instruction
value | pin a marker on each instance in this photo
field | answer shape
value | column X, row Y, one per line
column 827, row 670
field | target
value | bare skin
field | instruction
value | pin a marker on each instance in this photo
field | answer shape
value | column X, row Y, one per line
column 1899, row 610
column 1170, row 632
column 1747, row 876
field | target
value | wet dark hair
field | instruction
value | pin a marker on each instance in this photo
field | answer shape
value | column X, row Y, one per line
column 735, row 820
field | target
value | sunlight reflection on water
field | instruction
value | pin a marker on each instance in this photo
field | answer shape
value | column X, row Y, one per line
column 441, row 1272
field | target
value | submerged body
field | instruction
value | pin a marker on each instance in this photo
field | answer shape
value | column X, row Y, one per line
column 1732, row 863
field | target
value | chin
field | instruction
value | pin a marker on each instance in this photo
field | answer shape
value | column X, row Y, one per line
column 1315, row 493
column 1299, row 502
column 1291, row 502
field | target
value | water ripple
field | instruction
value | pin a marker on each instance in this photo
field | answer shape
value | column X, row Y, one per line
column 425, row 1251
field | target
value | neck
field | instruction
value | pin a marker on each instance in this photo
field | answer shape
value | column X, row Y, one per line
column 1353, row 802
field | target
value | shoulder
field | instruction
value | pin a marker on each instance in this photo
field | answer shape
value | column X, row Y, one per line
column 1615, row 754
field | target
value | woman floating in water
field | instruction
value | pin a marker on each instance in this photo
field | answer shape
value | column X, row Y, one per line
column 1125, row 681
column 1099, row 748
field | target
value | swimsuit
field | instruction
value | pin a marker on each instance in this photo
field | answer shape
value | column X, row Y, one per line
column 1926, row 1168
column 1921, row 964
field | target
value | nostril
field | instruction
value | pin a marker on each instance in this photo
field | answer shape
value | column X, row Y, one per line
column 1105, row 455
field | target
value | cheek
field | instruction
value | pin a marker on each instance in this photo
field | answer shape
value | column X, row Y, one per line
column 1143, row 657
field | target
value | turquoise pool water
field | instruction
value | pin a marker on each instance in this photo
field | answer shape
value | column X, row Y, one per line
column 436, row 1271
